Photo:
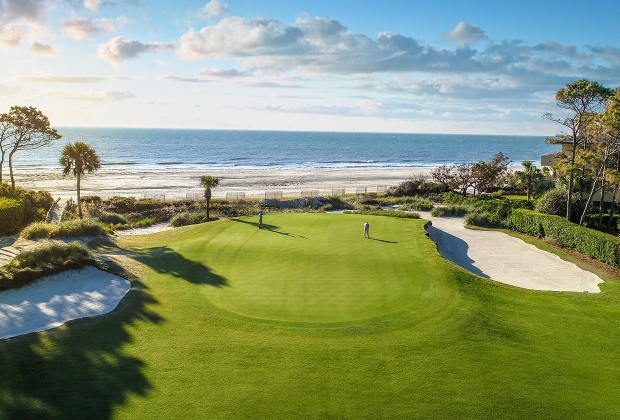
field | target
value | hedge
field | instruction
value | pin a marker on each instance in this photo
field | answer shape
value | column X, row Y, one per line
column 598, row 245
column 11, row 215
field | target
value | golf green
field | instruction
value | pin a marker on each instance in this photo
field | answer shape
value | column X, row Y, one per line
column 301, row 268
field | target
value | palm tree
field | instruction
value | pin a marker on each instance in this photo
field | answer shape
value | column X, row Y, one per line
column 79, row 158
column 528, row 176
column 208, row 182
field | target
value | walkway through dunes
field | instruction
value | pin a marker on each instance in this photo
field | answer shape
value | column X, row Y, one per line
column 509, row 260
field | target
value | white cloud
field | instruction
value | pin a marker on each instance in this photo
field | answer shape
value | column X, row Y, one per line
column 9, row 90
column 92, row 95
column 28, row 10
column 225, row 73
column 92, row 5
column 185, row 79
column 118, row 49
column 214, row 8
column 81, row 28
column 11, row 35
column 271, row 85
column 48, row 78
column 43, row 49
column 465, row 34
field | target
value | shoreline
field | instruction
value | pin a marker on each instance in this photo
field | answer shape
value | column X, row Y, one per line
column 252, row 182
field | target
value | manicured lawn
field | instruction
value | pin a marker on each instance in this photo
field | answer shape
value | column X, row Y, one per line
column 310, row 320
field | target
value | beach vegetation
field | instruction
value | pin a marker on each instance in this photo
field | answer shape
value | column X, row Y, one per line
column 450, row 211
column 336, row 203
column 24, row 128
column 190, row 218
column 66, row 229
column 388, row 213
column 553, row 202
column 592, row 243
column 11, row 215
column 583, row 99
column 529, row 176
column 418, row 186
column 112, row 219
column 32, row 265
column 79, row 158
column 207, row 182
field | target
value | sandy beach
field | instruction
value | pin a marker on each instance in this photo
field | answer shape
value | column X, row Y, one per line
column 252, row 182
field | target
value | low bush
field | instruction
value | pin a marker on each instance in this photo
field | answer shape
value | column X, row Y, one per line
column 419, row 186
column 30, row 266
column 485, row 220
column 594, row 244
column 112, row 219
column 336, row 203
column 447, row 211
column 68, row 229
column 190, row 218
column 419, row 204
column 389, row 213
column 11, row 215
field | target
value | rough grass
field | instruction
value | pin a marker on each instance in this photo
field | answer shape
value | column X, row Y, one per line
column 447, row 211
column 388, row 213
column 29, row 266
column 69, row 229
column 466, row 347
column 190, row 218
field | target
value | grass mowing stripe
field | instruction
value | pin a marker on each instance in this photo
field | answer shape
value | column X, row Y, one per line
column 472, row 349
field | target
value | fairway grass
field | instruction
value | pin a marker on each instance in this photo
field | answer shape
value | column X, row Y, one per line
column 217, row 328
column 301, row 269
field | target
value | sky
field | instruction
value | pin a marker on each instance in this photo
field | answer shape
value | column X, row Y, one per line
column 441, row 66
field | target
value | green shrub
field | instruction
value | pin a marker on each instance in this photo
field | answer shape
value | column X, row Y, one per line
column 451, row 197
column 68, row 229
column 389, row 213
column 419, row 204
column 553, row 202
column 594, row 244
column 190, row 218
column 447, row 211
column 112, row 219
column 484, row 220
column 11, row 215
column 30, row 266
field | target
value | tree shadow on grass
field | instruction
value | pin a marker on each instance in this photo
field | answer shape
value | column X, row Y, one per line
column 454, row 249
column 270, row 228
column 79, row 370
column 167, row 261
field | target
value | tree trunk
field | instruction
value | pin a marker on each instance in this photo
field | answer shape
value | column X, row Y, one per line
column 612, row 208
column 601, row 203
column 11, row 169
column 592, row 192
column 569, row 199
column 79, row 202
column 2, row 165
column 208, row 198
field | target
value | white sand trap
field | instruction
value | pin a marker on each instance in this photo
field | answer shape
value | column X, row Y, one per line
column 159, row 227
column 509, row 260
column 57, row 299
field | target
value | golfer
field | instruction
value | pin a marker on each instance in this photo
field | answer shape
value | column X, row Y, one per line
column 260, row 219
column 366, row 227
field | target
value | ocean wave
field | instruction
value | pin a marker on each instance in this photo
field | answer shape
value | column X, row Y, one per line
column 119, row 163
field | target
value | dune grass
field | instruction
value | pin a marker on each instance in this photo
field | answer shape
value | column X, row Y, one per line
column 68, row 229
column 29, row 266
column 231, row 321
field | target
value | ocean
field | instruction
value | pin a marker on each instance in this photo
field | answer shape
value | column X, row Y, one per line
column 154, row 150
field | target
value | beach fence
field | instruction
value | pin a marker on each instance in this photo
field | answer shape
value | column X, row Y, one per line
column 361, row 190
column 310, row 193
column 232, row 196
column 155, row 197
column 194, row 196
column 381, row 189
column 338, row 192
column 273, row 194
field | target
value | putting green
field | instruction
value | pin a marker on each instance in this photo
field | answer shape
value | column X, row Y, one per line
column 304, row 268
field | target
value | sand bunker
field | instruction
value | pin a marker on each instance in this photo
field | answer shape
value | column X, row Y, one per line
column 159, row 227
column 57, row 299
column 509, row 260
